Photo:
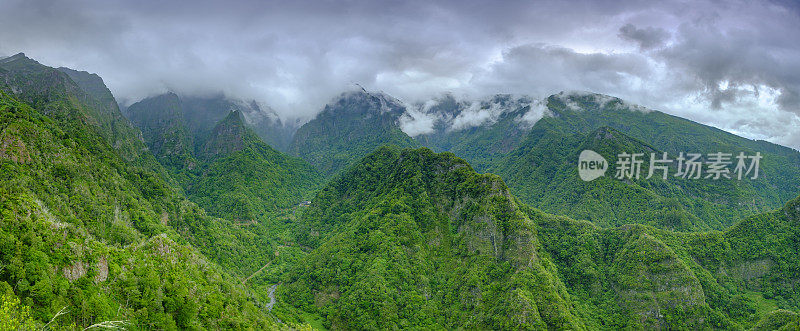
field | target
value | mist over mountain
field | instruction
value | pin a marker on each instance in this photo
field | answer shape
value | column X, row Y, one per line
column 200, row 114
column 727, row 64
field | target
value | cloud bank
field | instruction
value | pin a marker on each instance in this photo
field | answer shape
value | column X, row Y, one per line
column 731, row 64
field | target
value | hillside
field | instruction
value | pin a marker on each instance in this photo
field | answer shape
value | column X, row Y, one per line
column 48, row 89
column 84, row 230
column 640, row 276
column 409, row 238
column 197, row 116
column 243, row 178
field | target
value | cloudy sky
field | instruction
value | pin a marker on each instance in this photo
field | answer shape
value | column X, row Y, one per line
column 731, row 64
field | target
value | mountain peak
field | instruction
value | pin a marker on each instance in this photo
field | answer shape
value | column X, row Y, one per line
column 19, row 60
column 14, row 57
column 579, row 101
column 228, row 136
column 364, row 102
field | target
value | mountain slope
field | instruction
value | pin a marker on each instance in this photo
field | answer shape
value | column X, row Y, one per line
column 349, row 129
column 223, row 166
column 199, row 115
column 538, row 164
column 409, row 238
column 244, row 178
column 83, row 229
column 165, row 130
column 638, row 276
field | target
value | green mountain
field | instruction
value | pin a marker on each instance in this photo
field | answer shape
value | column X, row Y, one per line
column 225, row 167
column 164, row 129
column 350, row 128
column 199, row 115
column 413, row 239
column 539, row 161
column 87, row 233
column 641, row 277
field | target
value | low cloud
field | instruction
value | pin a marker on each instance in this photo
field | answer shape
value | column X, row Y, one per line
column 534, row 114
column 732, row 64
column 417, row 121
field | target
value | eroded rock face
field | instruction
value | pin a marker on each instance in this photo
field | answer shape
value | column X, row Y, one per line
column 74, row 271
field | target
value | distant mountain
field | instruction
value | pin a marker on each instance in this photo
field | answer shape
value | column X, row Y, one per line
column 481, row 130
column 200, row 114
column 165, row 130
column 349, row 128
column 534, row 146
column 223, row 166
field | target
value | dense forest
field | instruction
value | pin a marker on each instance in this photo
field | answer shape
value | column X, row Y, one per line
column 154, row 218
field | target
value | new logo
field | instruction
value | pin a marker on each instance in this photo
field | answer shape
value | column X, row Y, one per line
column 591, row 165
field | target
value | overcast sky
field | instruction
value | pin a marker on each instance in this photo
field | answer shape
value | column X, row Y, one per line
column 731, row 64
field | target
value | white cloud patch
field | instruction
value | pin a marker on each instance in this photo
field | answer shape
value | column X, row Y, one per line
column 534, row 114
column 476, row 115
column 415, row 122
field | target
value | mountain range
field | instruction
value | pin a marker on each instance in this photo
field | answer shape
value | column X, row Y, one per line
column 187, row 212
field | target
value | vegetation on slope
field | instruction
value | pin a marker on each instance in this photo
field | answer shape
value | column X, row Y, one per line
column 641, row 277
column 244, row 178
column 86, row 230
column 409, row 238
column 226, row 168
column 542, row 168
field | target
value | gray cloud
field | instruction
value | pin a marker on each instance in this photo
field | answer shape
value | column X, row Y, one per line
column 733, row 64
column 647, row 38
